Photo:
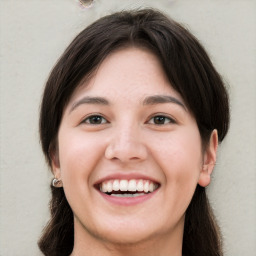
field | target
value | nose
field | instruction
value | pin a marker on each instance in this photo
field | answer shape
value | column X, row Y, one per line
column 126, row 145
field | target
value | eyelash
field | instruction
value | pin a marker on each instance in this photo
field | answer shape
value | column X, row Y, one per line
column 153, row 120
column 161, row 117
column 89, row 118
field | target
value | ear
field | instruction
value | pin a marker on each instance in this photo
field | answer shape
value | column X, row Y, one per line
column 55, row 163
column 209, row 159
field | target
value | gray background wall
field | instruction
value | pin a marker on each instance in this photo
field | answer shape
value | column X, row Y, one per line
column 33, row 33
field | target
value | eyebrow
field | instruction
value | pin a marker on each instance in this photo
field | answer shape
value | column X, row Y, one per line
column 89, row 100
column 150, row 100
column 157, row 99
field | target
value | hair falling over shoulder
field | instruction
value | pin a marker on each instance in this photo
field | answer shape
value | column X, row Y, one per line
column 58, row 235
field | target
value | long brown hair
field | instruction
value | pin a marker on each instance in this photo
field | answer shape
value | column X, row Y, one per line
column 190, row 73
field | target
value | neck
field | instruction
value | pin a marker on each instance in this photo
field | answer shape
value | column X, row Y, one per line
column 86, row 243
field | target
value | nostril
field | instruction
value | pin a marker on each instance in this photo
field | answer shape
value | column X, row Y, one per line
column 124, row 152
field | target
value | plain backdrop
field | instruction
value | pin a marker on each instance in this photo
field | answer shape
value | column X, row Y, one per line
column 33, row 34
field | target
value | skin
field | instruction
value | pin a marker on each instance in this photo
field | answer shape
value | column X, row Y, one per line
column 128, row 141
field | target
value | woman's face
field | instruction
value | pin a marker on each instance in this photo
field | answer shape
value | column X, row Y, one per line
column 129, row 152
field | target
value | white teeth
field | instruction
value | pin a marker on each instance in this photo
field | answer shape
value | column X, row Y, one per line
column 151, row 187
column 132, row 185
column 128, row 195
column 146, row 186
column 116, row 185
column 104, row 187
column 109, row 187
column 125, row 185
column 140, row 186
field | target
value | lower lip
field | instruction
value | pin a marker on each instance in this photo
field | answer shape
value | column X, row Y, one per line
column 128, row 201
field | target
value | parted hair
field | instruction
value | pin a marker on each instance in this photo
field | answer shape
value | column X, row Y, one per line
column 190, row 72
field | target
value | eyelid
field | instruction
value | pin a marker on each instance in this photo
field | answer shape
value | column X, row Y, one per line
column 93, row 115
column 172, row 120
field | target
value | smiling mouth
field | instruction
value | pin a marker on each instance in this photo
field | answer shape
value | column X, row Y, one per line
column 128, row 188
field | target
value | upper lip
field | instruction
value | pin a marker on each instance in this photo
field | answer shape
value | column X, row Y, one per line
column 126, row 176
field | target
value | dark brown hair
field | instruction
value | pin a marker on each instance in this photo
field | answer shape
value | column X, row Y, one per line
column 190, row 73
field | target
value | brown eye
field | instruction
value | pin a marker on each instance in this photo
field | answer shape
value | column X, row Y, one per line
column 161, row 120
column 95, row 119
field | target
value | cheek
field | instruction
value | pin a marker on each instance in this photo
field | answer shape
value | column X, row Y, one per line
column 78, row 154
column 180, row 148
column 180, row 158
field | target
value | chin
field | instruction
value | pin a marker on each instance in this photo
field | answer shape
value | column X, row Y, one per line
column 127, row 232
column 124, row 237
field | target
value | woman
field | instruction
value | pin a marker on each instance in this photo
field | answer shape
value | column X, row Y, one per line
column 131, row 118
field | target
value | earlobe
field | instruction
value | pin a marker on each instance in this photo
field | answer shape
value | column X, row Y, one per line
column 55, row 164
column 209, row 160
column 204, row 177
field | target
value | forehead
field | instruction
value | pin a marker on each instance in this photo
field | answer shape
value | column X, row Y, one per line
column 128, row 73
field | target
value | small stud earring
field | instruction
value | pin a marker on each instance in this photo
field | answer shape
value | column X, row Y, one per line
column 57, row 183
